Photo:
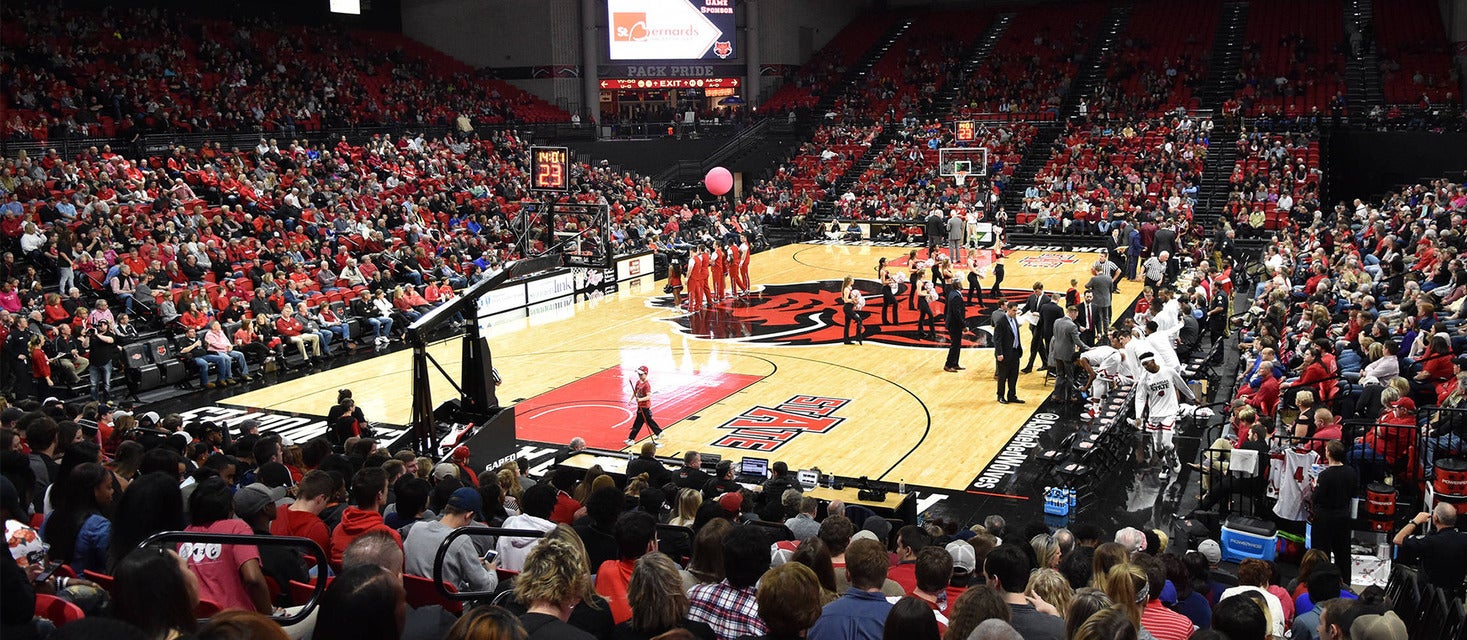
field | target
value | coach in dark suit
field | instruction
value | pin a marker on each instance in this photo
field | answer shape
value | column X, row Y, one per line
column 1101, row 285
column 1064, row 346
column 1041, row 332
column 936, row 231
column 955, row 317
column 1007, row 350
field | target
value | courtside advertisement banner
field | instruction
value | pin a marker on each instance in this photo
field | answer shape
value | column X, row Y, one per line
column 671, row 29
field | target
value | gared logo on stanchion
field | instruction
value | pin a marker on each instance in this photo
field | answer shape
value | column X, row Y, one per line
column 809, row 314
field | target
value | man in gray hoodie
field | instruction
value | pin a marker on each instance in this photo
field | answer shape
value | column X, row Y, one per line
column 462, row 567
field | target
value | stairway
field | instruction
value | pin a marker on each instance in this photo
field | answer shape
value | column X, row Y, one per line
column 1362, row 72
column 1097, row 60
column 858, row 71
column 1227, row 57
column 973, row 59
column 826, row 208
column 1083, row 84
column 1222, row 155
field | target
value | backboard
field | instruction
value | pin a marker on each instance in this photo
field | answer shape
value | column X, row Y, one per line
column 954, row 160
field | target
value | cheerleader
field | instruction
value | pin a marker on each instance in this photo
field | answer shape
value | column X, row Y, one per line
column 675, row 282
column 926, row 295
column 889, row 286
column 851, row 303
column 916, row 271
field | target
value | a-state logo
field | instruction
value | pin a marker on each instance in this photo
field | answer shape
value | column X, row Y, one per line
column 723, row 49
column 1049, row 260
column 769, row 428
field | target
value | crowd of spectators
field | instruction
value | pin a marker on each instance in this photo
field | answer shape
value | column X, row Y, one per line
column 803, row 88
column 672, row 552
column 85, row 74
column 385, row 230
column 1155, row 66
column 1029, row 71
column 904, row 82
column 1293, row 59
column 1275, row 177
column 902, row 182
column 1415, row 56
column 1351, row 355
column 1101, row 171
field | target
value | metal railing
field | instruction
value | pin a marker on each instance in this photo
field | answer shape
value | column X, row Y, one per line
column 313, row 550
column 472, row 530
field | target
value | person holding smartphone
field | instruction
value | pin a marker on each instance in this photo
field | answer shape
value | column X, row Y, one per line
column 463, row 567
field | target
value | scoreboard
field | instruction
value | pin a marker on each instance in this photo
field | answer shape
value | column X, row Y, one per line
column 966, row 131
column 550, row 169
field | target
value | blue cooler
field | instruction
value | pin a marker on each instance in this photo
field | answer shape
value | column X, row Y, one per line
column 1245, row 538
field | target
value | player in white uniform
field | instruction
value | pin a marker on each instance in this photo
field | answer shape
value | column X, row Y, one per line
column 1162, row 342
column 1102, row 363
column 1157, row 394
column 1133, row 348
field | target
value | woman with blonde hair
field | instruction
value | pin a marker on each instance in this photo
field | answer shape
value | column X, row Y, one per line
column 688, row 501
column 1127, row 587
column 1046, row 551
column 509, row 484
column 852, row 301
column 554, row 583
column 583, row 490
column 1051, row 586
column 659, row 603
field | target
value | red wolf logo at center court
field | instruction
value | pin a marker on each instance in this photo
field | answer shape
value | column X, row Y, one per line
column 723, row 49
column 809, row 314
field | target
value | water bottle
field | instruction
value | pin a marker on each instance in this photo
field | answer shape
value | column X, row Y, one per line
column 902, row 486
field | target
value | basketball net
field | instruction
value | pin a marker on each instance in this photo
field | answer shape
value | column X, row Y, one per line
column 960, row 178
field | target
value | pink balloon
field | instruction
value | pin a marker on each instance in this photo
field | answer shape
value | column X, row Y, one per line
column 718, row 181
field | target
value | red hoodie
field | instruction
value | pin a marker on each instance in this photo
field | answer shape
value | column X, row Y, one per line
column 612, row 580
column 354, row 523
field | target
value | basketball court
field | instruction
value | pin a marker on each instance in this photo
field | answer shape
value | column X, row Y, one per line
column 764, row 376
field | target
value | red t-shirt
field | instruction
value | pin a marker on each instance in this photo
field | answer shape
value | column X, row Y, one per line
column 643, row 389
column 304, row 524
column 612, row 579
column 904, row 574
column 217, row 565
column 565, row 509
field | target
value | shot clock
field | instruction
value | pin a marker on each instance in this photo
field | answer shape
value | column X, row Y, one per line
column 550, row 168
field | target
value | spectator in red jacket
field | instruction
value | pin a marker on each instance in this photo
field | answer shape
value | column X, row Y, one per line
column 292, row 330
column 303, row 518
column 1265, row 398
column 368, row 492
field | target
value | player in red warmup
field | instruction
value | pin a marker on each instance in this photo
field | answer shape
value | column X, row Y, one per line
column 697, row 279
column 735, row 282
column 744, row 262
column 720, row 272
